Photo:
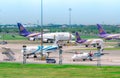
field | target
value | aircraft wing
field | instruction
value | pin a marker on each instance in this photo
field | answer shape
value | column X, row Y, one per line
column 33, row 34
column 49, row 49
column 97, row 54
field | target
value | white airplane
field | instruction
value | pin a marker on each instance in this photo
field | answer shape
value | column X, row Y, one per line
column 86, row 56
column 34, row 50
column 47, row 37
column 88, row 42
column 50, row 37
column 106, row 36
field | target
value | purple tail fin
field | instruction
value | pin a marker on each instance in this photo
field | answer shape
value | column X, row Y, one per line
column 101, row 30
column 78, row 39
column 22, row 30
column 77, row 36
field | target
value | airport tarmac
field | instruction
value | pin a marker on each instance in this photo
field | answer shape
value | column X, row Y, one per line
column 112, row 58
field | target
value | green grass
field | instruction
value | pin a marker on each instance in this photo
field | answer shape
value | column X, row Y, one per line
column 89, row 37
column 16, row 70
column 10, row 37
column 115, row 48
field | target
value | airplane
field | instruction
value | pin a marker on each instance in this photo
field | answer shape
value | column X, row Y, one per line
column 88, row 42
column 47, row 37
column 50, row 37
column 106, row 36
column 25, row 33
column 45, row 50
column 86, row 56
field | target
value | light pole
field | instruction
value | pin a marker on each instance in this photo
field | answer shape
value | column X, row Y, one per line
column 70, row 17
column 60, row 54
column 24, row 54
column 41, row 27
column 98, row 55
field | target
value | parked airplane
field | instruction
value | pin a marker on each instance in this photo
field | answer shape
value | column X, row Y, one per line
column 86, row 56
column 47, row 37
column 103, row 34
column 50, row 37
column 88, row 42
column 34, row 50
column 25, row 33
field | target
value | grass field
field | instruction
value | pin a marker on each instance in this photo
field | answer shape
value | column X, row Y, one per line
column 18, row 37
column 16, row 70
column 11, row 37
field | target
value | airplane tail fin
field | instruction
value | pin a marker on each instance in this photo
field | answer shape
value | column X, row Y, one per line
column 22, row 30
column 77, row 36
column 101, row 30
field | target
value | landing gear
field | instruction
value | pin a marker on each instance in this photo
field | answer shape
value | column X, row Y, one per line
column 49, row 41
column 91, row 59
column 73, row 60
column 35, row 56
column 86, row 45
column 27, row 57
column 84, row 59
column 94, row 45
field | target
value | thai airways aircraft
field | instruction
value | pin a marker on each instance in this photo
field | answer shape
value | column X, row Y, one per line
column 25, row 33
column 50, row 37
column 88, row 42
column 103, row 34
column 34, row 50
column 47, row 37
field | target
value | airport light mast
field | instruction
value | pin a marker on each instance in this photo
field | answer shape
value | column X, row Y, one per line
column 70, row 17
column 41, row 27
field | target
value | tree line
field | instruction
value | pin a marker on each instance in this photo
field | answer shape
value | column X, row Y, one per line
column 82, row 29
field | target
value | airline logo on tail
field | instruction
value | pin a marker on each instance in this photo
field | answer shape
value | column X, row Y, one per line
column 100, row 29
column 79, row 40
column 77, row 36
column 22, row 30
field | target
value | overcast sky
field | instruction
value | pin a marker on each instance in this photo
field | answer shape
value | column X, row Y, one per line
column 57, row 11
